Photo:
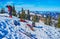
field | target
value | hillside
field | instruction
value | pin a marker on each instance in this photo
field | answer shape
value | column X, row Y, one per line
column 13, row 28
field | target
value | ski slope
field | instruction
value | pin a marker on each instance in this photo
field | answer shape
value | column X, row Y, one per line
column 13, row 28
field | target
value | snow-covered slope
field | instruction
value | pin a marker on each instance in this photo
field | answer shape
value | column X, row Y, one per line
column 12, row 28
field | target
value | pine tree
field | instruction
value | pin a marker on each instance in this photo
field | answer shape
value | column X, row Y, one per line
column 2, row 10
column 13, row 11
column 48, row 20
column 28, row 15
column 58, row 25
column 35, row 18
column 18, row 14
column 22, row 15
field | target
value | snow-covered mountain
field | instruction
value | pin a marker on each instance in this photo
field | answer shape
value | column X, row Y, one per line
column 13, row 28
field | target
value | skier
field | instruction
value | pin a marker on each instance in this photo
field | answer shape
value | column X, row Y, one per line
column 33, row 24
column 31, row 27
column 10, row 10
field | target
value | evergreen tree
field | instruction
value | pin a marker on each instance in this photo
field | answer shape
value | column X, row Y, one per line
column 48, row 20
column 2, row 10
column 22, row 10
column 13, row 11
column 28, row 15
column 58, row 25
column 35, row 18
column 45, row 20
column 22, row 15
column 18, row 14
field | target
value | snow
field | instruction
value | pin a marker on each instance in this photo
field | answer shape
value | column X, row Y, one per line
column 4, row 14
column 20, row 30
column 32, row 14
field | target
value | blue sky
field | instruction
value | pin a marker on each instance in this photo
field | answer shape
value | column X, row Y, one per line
column 33, row 5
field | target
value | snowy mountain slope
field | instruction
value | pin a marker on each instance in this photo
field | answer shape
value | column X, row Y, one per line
column 44, row 32
column 12, row 28
column 8, row 29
